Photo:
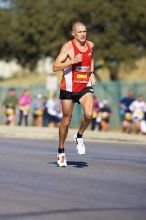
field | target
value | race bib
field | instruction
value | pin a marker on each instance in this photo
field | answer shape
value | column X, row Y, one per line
column 94, row 114
column 9, row 111
column 128, row 116
column 104, row 115
column 138, row 115
column 39, row 112
column 81, row 77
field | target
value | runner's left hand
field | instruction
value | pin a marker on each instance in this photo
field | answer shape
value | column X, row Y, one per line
column 93, row 79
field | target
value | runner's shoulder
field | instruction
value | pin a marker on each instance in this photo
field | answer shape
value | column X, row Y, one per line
column 91, row 44
column 67, row 45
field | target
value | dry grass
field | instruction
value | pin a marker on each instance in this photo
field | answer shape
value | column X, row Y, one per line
column 136, row 74
column 127, row 74
column 26, row 80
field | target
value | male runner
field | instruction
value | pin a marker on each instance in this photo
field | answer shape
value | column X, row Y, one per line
column 76, row 61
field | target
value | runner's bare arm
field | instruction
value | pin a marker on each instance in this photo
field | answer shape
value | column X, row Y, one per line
column 92, row 77
column 92, row 65
column 65, row 58
column 92, row 61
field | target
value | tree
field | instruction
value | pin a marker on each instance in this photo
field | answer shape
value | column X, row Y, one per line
column 31, row 30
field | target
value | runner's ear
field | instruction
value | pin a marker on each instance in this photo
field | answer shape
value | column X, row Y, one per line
column 73, row 33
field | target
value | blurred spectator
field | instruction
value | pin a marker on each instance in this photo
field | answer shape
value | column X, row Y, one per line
column 54, row 109
column 24, row 106
column 10, row 104
column 105, row 112
column 143, row 127
column 125, row 112
column 37, row 110
column 138, row 109
column 52, row 83
column 143, row 124
column 45, row 112
column 94, row 121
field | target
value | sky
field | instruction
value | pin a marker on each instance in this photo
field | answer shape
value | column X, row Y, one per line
column 4, row 3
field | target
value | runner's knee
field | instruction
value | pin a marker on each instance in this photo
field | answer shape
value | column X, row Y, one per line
column 88, row 115
column 66, row 121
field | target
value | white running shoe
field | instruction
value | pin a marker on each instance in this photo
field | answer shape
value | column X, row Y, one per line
column 80, row 145
column 61, row 160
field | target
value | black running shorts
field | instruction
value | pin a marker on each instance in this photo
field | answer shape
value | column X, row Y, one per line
column 75, row 96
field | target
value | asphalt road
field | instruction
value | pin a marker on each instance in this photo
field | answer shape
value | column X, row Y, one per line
column 108, row 183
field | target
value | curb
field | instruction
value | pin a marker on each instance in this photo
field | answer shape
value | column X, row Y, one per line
column 44, row 133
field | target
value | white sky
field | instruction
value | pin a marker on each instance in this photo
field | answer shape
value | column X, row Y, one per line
column 4, row 4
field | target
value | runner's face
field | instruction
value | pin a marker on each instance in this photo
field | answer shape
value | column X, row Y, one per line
column 80, row 33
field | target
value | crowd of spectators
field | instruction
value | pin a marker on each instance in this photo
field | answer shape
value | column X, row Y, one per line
column 101, row 115
column 133, row 113
column 43, row 111
column 47, row 112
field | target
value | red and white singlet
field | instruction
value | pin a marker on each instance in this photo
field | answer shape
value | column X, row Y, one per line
column 76, row 77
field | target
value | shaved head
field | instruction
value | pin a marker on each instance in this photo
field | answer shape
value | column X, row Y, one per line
column 76, row 24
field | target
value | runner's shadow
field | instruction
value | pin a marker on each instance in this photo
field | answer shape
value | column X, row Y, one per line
column 76, row 164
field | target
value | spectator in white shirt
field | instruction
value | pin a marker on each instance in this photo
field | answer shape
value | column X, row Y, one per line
column 54, row 109
column 138, row 109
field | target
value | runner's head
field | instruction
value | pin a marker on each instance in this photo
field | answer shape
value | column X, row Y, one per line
column 79, row 31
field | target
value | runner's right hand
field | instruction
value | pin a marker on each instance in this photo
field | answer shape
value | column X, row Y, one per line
column 78, row 58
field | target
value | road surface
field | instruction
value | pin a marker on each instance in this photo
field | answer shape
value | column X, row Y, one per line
column 108, row 183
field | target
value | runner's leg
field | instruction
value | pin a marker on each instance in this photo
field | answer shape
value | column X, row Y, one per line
column 87, row 103
column 67, row 108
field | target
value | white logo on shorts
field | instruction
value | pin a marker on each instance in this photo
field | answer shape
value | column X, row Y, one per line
column 91, row 90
